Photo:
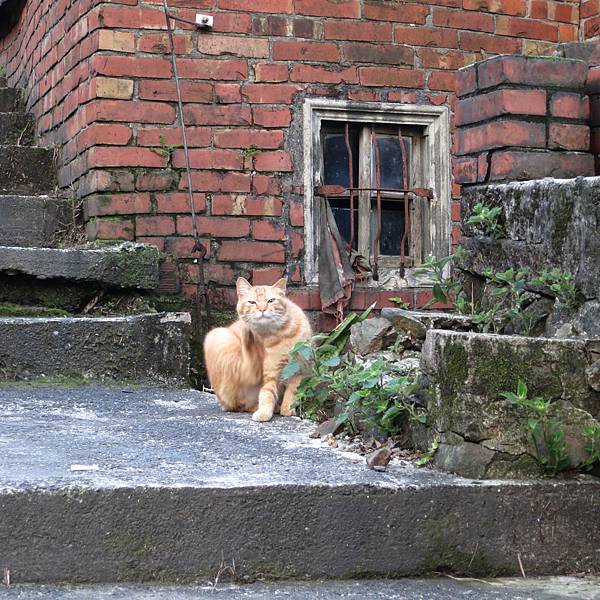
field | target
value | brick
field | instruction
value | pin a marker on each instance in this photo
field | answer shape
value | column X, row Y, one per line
column 273, row 161
column 590, row 8
column 217, row 115
column 309, row 73
column 564, row 13
column 396, row 11
column 390, row 77
column 569, row 106
column 232, row 23
column 266, row 276
column 183, row 247
column 493, row 44
column 270, row 72
column 595, row 141
column 515, row 165
column 499, row 134
column 271, row 117
column 268, row 6
column 131, row 17
column 349, row 9
column 501, row 102
column 155, row 225
column 296, row 214
column 269, row 93
column 209, row 181
column 297, row 243
column 110, row 87
column 108, row 181
column 211, row 158
column 165, row 91
column 360, row 31
column 242, row 251
column 442, row 81
column 266, row 184
column 118, row 41
column 228, row 93
column 179, row 202
column 125, row 204
column 109, row 229
column 305, row 51
column 591, row 28
column 535, row 72
column 100, row 133
column 459, row 19
column 132, row 66
column 537, row 48
column 236, row 45
column 220, row 227
column 568, row 33
column 426, row 36
column 154, row 180
column 204, row 68
column 268, row 230
column 466, row 81
column 114, row 156
column 267, row 206
column 378, row 53
column 246, row 138
column 529, row 28
column 505, row 7
column 465, row 170
column 274, row 26
column 158, row 136
column 158, row 43
column 569, row 137
column 444, row 59
column 306, row 28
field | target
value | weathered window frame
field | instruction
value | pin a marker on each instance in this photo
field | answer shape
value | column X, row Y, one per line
column 434, row 121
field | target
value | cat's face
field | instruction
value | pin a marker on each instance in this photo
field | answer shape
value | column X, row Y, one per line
column 262, row 307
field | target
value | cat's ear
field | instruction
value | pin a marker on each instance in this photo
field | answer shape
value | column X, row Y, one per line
column 243, row 287
column 280, row 285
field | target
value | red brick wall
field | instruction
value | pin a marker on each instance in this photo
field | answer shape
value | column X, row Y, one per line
column 98, row 79
column 590, row 20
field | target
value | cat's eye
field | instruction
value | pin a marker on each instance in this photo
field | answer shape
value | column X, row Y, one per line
column 251, row 301
column 271, row 300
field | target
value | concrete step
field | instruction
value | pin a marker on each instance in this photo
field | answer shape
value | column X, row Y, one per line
column 543, row 588
column 26, row 170
column 10, row 99
column 31, row 220
column 147, row 348
column 112, row 484
column 125, row 265
column 16, row 128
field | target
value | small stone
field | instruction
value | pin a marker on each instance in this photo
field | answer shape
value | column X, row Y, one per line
column 329, row 427
column 379, row 459
column 372, row 335
column 331, row 441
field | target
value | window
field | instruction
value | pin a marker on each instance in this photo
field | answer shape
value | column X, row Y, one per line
column 361, row 156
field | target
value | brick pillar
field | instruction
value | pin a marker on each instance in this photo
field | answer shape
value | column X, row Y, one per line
column 593, row 90
column 522, row 118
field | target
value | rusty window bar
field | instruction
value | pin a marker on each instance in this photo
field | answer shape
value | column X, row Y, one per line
column 406, row 211
column 351, row 181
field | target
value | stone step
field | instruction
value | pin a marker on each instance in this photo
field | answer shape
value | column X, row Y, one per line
column 2, row 81
column 26, row 170
column 130, row 484
column 31, row 220
column 147, row 348
column 10, row 99
column 540, row 588
column 16, row 128
column 125, row 265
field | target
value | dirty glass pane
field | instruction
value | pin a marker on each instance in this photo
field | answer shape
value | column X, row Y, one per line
column 390, row 155
column 392, row 227
column 336, row 167
column 341, row 212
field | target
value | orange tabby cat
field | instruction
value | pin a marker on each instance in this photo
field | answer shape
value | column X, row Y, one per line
column 244, row 360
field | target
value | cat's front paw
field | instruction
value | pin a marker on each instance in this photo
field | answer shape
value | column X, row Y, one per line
column 262, row 414
column 287, row 411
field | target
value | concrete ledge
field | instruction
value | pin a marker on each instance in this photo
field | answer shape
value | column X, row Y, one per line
column 31, row 220
column 169, row 486
column 125, row 265
column 151, row 348
column 26, row 170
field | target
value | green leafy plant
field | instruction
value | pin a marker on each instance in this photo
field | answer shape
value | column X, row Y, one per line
column 592, row 446
column 165, row 150
column 2, row 71
column 427, row 457
column 546, row 433
column 400, row 302
column 250, row 151
column 488, row 218
column 445, row 289
column 561, row 284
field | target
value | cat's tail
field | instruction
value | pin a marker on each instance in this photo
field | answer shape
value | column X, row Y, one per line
column 233, row 362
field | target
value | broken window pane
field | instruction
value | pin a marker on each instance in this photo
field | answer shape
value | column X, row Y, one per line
column 341, row 212
column 336, row 166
